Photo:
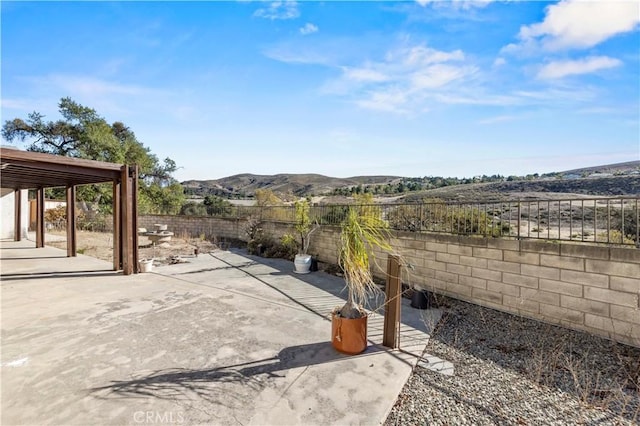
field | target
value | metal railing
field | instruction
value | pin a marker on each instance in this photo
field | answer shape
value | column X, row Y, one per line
column 595, row 220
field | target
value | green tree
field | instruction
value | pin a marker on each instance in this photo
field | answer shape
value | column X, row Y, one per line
column 217, row 206
column 192, row 208
column 266, row 197
column 82, row 133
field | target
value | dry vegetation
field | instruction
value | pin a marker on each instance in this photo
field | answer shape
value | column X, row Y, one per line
column 514, row 370
column 100, row 245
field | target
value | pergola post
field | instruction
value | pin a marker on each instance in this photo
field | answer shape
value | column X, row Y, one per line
column 71, row 222
column 127, row 214
column 40, row 217
column 117, row 227
column 134, row 216
column 17, row 232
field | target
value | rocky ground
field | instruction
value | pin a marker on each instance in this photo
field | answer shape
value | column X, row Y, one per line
column 100, row 245
column 515, row 371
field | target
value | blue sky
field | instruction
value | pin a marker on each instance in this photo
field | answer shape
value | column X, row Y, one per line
column 340, row 88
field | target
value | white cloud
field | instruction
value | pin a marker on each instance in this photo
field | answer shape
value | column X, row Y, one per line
column 478, row 97
column 298, row 55
column 421, row 55
column 499, row 62
column 404, row 80
column 458, row 4
column 364, row 74
column 308, row 28
column 287, row 9
column 579, row 24
column 560, row 69
column 437, row 75
column 387, row 99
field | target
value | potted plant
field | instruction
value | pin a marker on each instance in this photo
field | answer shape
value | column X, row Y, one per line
column 304, row 228
column 362, row 230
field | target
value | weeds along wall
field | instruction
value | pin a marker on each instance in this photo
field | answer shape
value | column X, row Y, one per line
column 583, row 287
column 211, row 227
column 215, row 229
column 578, row 286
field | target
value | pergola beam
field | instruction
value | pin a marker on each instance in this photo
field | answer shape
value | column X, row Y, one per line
column 34, row 170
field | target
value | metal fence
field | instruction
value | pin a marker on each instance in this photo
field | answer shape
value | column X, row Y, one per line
column 596, row 220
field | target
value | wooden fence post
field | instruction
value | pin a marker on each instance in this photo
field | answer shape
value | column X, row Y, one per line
column 392, row 303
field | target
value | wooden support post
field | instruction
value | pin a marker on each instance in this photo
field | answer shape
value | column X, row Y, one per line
column 392, row 303
column 134, row 217
column 71, row 222
column 17, row 232
column 40, row 217
column 127, row 213
column 117, row 227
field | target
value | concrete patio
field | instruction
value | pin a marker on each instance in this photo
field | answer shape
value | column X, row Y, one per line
column 225, row 338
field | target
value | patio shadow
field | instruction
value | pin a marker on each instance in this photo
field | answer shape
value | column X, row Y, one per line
column 179, row 384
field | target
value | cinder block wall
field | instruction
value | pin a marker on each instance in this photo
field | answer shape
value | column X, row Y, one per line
column 583, row 287
column 211, row 227
column 590, row 288
column 195, row 226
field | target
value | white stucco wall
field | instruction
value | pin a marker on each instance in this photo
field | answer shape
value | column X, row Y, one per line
column 7, row 207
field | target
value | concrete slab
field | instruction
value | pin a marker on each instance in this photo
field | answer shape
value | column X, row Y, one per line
column 223, row 339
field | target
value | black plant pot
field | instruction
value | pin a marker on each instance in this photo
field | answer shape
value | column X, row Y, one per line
column 420, row 299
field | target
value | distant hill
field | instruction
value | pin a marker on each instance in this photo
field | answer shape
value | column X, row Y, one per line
column 621, row 179
column 297, row 184
column 609, row 186
column 606, row 169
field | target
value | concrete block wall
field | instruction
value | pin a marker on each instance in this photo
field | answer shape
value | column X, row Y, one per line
column 195, row 226
column 212, row 227
column 590, row 288
column 582, row 287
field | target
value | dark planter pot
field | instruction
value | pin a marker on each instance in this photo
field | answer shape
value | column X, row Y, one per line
column 421, row 299
column 314, row 264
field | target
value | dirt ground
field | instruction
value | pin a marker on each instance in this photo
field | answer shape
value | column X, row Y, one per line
column 100, row 245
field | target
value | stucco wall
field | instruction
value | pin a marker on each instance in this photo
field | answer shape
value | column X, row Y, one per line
column 7, row 213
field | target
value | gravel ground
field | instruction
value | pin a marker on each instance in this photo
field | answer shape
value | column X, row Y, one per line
column 516, row 371
column 100, row 245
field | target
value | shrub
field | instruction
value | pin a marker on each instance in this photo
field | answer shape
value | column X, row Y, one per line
column 614, row 236
column 332, row 215
column 192, row 208
column 439, row 217
column 56, row 217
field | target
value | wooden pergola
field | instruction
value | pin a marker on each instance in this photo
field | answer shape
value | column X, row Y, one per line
column 33, row 170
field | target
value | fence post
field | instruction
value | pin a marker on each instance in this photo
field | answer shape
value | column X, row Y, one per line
column 392, row 303
column 519, row 217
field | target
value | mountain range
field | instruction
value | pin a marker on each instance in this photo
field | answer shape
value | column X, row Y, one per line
column 618, row 179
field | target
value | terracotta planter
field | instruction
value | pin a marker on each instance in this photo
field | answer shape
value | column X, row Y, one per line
column 349, row 336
